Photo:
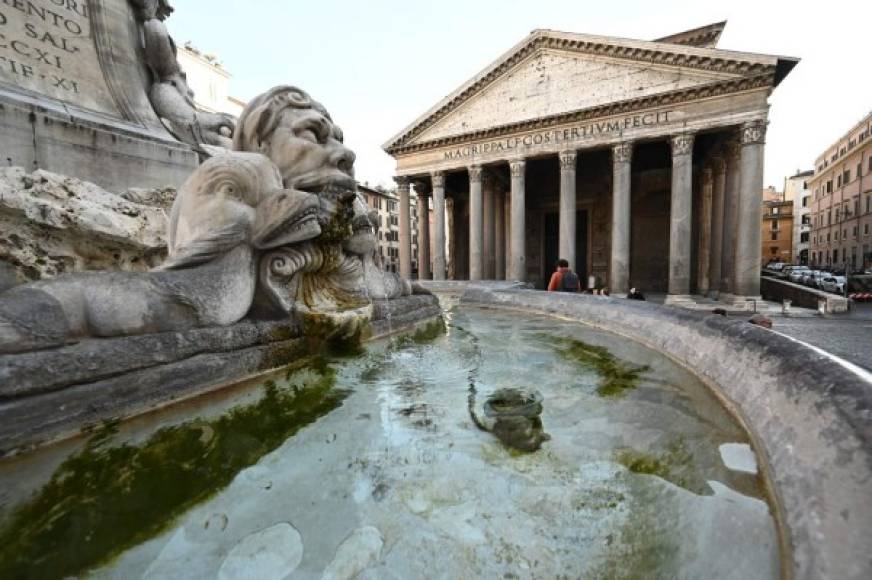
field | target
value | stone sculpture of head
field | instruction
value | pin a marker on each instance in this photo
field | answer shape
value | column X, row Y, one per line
column 298, row 135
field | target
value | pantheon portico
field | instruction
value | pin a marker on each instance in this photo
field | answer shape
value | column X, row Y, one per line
column 640, row 162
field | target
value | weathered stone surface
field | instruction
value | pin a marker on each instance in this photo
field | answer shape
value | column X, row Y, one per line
column 810, row 413
column 231, row 207
column 51, row 224
column 49, row 394
column 73, row 96
column 44, row 418
column 34, row 373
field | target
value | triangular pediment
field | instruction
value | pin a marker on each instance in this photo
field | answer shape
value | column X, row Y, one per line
column 552, row 73
column 552, row 82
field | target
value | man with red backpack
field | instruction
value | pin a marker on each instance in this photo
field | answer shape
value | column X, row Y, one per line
column 564, row 279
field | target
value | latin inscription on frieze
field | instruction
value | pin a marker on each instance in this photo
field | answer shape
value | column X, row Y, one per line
column 605, row 129
column 47, row 46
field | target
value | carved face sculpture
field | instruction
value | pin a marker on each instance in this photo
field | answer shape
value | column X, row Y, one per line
column 297, row 134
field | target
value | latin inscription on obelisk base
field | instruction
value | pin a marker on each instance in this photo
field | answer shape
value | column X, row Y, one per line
column 47, row 46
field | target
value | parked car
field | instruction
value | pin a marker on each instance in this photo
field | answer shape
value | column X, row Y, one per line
column 786, row 270
column 815, row 277
column 834, row 284
column 807, row 277
column 797, row 273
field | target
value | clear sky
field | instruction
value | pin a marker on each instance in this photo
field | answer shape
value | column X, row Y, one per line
column 378, row 64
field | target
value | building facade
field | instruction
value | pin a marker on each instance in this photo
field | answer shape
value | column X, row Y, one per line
column 796, row 189
column 384, row 203
column 640, row 162
column 210, row 82
column 842, row 201
column 777, row 230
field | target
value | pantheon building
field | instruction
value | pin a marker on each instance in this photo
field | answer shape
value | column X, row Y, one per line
column 640, row 162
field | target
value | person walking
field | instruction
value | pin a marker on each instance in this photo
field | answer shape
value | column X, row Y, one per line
column 563, row 279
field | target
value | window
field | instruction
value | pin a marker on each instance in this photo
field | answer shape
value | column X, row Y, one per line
column 830, row 186
column 838, row 214
column 773, row 226
column 868, row 203
column 844, row 234
column 805, row 201
column 856, row 229
column 806, row 220
column 838, row 181
column 803, row 238
column 866, row 230
column 859, row 169
column 846, row 176
column 774, row 211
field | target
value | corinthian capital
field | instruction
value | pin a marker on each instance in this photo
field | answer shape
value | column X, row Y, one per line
column 622, row 153
column 518, row 168
column 682, row 144
column 753, row 132
column 475, row 173
column 438, row 179
column 402, row 182
column 567, row 160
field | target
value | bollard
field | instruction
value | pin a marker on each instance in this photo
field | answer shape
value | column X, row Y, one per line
column 785, row 305
column 822, row 305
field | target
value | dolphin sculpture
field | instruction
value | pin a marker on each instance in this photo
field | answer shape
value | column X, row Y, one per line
column 231, row 209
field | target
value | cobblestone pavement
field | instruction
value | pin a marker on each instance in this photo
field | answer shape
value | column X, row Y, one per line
column 846, row 335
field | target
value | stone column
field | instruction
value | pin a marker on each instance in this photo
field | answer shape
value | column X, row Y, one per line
column 567, row 207
column 438, row 181
column 405, row 228
column 500, row 229
column 518, row 271
column 488, row 262
column 705, row 233
column 476, row 233
column 718, row 188
column 619, row 277
column 508, row 222
column 680, row 217
column 423, row 233
column 731, row 208
column 746, row 266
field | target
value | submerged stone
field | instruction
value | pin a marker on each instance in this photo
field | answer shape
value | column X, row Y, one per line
column 360, row 550
column 271, row 553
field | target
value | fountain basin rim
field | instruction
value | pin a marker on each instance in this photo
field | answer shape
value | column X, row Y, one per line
column 807, row 412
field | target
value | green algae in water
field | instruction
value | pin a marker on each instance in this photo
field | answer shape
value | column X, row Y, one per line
column 617, row 376
column 107, row 499
column 675, row 464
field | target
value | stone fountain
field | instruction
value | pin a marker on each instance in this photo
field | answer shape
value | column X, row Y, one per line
column 271, row 252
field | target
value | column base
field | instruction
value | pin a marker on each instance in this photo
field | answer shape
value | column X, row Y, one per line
column 679, row 299
column 743, row 303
